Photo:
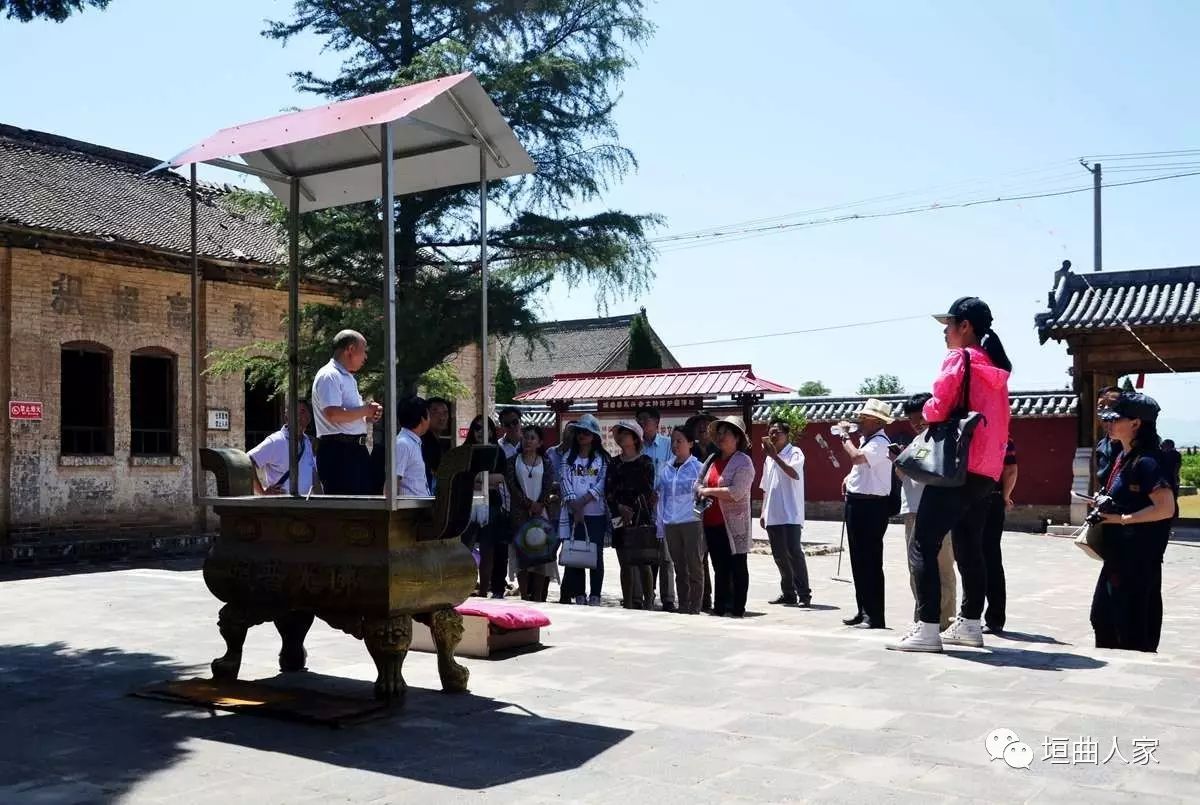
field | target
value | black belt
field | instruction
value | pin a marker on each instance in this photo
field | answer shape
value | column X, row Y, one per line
column 857, row 496
column 345, row 438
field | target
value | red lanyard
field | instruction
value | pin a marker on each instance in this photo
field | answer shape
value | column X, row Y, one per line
column 1112, row 475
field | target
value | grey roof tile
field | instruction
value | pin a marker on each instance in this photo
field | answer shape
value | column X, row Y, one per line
column 56, row 184
column 1158, row 297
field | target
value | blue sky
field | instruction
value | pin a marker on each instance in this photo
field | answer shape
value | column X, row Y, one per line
column 777, row 108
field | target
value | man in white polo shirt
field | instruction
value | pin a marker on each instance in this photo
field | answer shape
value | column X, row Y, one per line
column 783, row 512
column 868, row 489
column 413, row 418
column 270, row 459
column 342, row 419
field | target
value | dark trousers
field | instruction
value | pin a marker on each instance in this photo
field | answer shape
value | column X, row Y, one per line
column 731, row 574
column 1127, row 606
column 997, row 597
column 961, row 511
column 866, row 523
column 573, row 581
column 493, row 553
column 789, row 558
column 344, row 467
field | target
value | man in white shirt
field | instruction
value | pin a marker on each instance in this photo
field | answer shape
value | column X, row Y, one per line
column 413, row 418
column 783, row 512
column 272, row 473
column 868, row 490
column 658, row 447
column 342, row 417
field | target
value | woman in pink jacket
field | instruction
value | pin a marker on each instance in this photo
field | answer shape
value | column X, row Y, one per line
column 961, row 510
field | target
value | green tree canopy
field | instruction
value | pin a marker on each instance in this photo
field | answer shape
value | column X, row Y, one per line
column 881, row 385
column 553, row 67
column 56, row 10
column 642, row 353
column 506, row 386
column 813, row 388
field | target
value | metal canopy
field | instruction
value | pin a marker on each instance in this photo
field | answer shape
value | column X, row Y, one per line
column 440, row 133
column 335, row 150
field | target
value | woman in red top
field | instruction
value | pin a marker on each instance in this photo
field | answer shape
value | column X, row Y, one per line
column 961, row 510
column 727, row 483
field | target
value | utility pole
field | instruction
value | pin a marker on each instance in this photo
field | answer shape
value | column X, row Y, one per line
column 1096, row 176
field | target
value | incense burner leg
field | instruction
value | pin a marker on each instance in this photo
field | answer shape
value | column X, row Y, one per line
column 446, row 626
column 293, row 628
column 233, row 623
column 387, row 641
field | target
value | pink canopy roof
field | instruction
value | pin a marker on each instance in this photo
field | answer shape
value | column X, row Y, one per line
column 704, row 381
column 335, row 149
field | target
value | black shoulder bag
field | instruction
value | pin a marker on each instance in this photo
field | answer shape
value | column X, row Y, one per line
column 938, row 457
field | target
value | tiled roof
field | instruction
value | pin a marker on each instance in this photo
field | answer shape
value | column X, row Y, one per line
column 574, row 346
column 1159, row 297
column 1023, row 404
column 705, row 381
column 54, row 184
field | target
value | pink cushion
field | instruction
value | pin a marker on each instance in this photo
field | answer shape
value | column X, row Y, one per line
column 506, row 616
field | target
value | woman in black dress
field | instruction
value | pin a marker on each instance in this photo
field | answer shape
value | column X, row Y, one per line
column 1127, row 606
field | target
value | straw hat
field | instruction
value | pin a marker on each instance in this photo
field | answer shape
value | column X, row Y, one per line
column 878, row 409
column 738, row 425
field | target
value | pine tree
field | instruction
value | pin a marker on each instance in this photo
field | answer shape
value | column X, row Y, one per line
column 1127, row 385
column 506, row 386
column 56, row 10
column 642, row 354
column 553, row 69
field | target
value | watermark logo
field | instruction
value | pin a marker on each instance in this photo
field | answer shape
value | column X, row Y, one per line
column 1004, row 744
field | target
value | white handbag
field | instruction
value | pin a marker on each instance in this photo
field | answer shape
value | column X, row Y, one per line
column 579, row 553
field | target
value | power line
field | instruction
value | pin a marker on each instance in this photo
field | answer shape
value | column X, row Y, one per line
column 797, row 332
column 680, row 242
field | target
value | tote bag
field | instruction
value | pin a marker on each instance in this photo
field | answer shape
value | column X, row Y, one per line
column 938, row 457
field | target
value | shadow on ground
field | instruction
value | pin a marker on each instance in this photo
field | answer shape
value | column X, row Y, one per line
column 71, row 733
column 39, row 570
column 1028, row 658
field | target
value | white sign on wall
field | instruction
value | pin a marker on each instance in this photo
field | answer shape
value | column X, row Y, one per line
column 218, row 419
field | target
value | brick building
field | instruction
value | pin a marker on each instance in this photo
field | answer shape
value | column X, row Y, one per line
column 95, row 326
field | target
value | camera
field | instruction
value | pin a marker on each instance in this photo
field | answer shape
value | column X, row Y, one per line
column 701, row 505
column 1103, row 505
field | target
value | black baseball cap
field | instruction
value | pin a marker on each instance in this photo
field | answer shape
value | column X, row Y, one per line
column 1131, row 405
column 968, row 308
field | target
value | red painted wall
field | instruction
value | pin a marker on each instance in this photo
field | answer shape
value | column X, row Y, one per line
column 1045, row 451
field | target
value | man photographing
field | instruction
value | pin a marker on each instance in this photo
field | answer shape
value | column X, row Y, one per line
column 783, row 512
column 342, row 417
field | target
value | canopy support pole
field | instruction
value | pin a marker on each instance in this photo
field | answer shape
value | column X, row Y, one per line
column 199, row 415
column 293, row 401
column 485, row 408
column 388, row 214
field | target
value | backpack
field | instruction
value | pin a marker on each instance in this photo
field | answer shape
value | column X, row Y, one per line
column 894, row 496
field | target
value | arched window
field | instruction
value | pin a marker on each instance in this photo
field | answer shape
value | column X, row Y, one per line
column 153, row 422
column 85, row 399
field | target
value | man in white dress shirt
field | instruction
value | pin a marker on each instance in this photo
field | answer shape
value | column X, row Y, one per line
column 343, row 419
column 413, row 419
column 272, row 472
column 868, row 490
column 783, row 512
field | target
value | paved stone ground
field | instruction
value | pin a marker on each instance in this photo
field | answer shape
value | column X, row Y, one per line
column 620, row 707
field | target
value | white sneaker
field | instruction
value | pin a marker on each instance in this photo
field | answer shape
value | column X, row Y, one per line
column 964, row 632
column 581, row 600
column 920, row 637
